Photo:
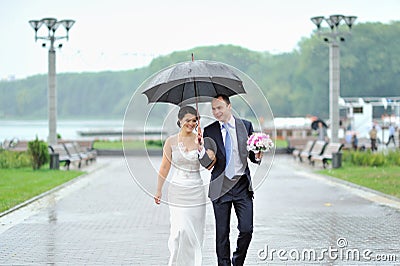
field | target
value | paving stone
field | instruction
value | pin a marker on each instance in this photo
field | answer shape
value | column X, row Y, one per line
column 109, row 220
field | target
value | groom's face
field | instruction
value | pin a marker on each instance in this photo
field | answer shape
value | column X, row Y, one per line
column 221, row 110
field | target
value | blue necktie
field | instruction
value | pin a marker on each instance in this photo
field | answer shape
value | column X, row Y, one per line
column 229, row 167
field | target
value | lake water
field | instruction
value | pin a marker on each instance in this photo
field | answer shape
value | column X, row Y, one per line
column 68, row 129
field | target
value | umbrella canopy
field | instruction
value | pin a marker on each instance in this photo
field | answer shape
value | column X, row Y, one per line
column 314, row 124
column 192, row 80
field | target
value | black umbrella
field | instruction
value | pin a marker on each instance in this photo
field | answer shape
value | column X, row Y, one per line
column 192, row 81
column 314, row 124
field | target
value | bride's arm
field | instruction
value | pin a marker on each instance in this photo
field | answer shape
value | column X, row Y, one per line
column 164, row 170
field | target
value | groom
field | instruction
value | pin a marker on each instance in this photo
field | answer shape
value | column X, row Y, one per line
column 230, row 178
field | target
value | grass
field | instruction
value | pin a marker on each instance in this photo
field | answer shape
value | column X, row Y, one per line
column 129, row 145
column 281, row 143
column 19, row 185
column 384, row 179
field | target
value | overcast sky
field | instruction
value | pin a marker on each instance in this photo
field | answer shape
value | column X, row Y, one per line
column 125, row 34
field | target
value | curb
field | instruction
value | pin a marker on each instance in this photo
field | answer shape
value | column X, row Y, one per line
column 49, row 192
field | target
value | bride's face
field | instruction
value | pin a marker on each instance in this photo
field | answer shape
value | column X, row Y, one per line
column 188, row 123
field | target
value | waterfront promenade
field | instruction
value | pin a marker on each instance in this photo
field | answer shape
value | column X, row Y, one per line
column 104, row 218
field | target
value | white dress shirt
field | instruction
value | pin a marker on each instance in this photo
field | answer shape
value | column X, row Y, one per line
column 239, row 167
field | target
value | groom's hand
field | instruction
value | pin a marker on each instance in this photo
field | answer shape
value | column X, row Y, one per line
column 259, row 155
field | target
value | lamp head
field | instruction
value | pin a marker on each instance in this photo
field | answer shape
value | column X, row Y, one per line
column 336, row 19
column 35, row 24
column 317, row 21
column 350, row 20
column 67, row 23
column 55, row 26
column 330, row 23
column 49, row 22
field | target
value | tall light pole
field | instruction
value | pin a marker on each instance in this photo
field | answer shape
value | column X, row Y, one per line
column 333, row 38
column 52, row 25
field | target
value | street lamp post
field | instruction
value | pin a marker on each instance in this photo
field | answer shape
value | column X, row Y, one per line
column 334, row 37
column 52, row 25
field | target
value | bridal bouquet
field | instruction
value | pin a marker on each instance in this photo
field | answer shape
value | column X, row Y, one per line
column 259, row 142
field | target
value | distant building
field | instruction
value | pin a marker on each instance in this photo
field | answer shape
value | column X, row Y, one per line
column 9, row 78
column 359, row 114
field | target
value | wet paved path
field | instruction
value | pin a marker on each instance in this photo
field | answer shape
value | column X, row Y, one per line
column 106, row 219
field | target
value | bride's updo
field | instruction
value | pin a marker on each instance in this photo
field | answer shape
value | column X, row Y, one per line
column 186, row 110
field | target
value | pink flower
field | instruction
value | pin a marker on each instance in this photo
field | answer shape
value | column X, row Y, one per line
column 259, row 142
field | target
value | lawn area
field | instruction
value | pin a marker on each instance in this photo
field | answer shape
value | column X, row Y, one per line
column 19, row 185
column 384, row 179
column 128, row 145
column 280, row 143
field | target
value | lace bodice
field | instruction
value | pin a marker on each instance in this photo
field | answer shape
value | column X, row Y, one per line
column 184, row 160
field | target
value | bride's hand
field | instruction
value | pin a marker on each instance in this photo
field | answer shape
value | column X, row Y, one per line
column 157, row 198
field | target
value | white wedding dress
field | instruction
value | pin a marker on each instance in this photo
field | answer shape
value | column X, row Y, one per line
column 187, row 199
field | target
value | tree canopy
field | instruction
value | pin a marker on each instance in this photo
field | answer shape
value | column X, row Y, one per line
column 295, row 83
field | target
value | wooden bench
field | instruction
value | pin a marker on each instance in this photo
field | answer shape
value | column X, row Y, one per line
column 363, row 144
column 16, row 145
column 86, row 150
column 297, row 143
column 296, row 152
column 74, row 149
column 65, row 156
column 326, row 156
column 317, row 149
column 74, row 152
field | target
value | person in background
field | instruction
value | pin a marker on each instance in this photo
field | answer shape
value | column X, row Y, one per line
column 322, row 134
column 391, row 135
column 354, row 141
column 372, row 136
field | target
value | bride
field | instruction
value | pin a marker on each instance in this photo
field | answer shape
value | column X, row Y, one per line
column 186, row 195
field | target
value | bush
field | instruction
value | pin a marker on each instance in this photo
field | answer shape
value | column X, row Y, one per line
column 393, row 158
column 368, row 158
column 157, row 143
column 39, row 153
column 377, row 159
column 14, row 159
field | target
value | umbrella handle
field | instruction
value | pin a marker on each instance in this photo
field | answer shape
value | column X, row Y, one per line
column 199, row 134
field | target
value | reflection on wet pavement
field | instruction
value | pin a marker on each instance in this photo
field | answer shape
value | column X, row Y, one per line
column 110, row 220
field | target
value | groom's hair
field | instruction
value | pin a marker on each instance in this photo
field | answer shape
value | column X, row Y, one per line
column 224, row 98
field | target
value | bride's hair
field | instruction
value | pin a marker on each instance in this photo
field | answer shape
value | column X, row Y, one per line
column 186, row 110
